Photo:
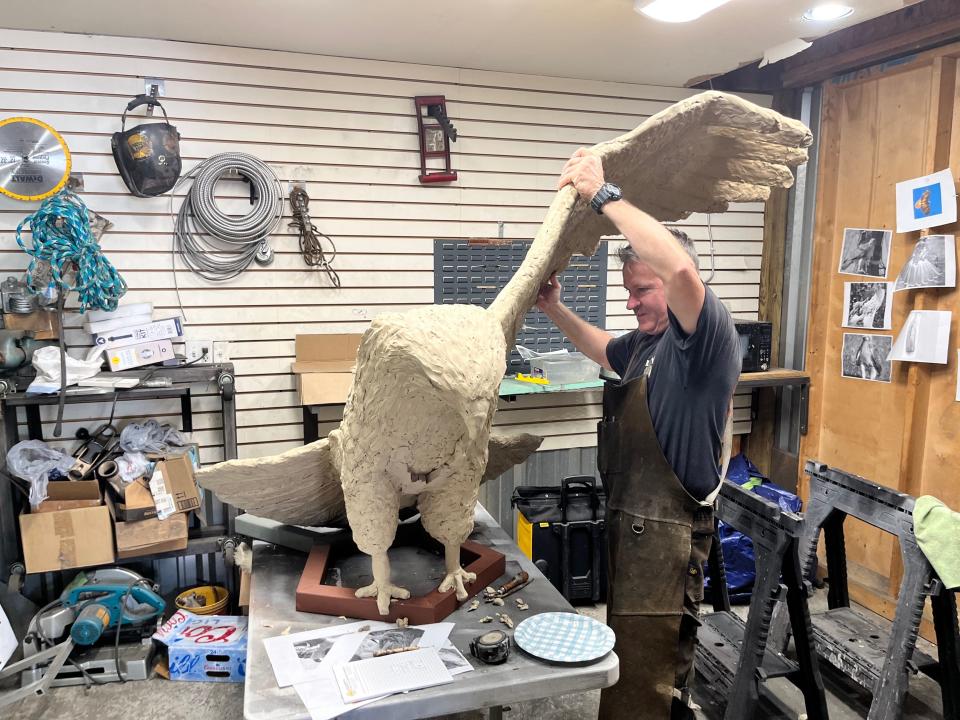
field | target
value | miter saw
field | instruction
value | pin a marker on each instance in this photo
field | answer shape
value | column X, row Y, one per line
column 34, row 159
column 99, row 630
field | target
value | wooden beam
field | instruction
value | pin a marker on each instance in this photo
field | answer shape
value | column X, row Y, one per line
column 914, row 28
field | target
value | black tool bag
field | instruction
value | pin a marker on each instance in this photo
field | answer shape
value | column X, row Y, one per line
column 147, row 156
column 562, row 529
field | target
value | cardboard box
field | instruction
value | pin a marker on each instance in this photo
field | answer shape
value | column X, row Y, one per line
column 66, row 539
column 138, row 334
column 69, row 495
column 174, row 486
column 146, row 537
column 131, row 502
column 205, row 648
column 137, row 355
column 324, row 367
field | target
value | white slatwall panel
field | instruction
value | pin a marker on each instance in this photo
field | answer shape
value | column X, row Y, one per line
column 347, row 127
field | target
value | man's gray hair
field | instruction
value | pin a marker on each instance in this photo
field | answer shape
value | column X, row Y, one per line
column 627, row 254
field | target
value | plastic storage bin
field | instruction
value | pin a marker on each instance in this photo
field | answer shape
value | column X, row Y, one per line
column 565, row 369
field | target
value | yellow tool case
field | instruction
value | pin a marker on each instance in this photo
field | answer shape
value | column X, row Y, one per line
column 563, row 530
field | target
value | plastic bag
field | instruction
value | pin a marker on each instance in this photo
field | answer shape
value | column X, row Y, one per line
column 38, row 463
column 46, row 360
column 132, row 465
column 150, row 436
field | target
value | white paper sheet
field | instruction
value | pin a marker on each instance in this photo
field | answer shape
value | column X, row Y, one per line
column 925, row 337
column 321, row 694
column 865, row 251
column 933, row 263
column 412, row 670
column 8, row 640
column 926, row 202
column 865, row 357
column 867, row 305
column 318, row 687
column 298, row 656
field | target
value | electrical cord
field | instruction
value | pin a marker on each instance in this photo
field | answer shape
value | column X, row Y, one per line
column 214, row 245
column 310, row 237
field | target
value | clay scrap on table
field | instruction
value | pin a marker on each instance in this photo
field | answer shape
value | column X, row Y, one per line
column 417, row 423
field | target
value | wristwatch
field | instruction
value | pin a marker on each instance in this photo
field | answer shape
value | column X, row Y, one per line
column 608, row 192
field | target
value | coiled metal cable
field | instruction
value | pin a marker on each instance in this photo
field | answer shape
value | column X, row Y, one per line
column 311, row 246
column 215, row 245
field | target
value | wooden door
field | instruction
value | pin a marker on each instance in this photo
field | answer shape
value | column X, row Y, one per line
column 881, row 126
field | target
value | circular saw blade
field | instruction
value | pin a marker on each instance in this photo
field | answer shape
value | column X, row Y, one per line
column 34, row 159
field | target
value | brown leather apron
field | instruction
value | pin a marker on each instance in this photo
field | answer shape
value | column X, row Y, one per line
column 650, row 521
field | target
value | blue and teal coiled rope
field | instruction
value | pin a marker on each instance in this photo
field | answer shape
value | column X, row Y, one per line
column 61, row 236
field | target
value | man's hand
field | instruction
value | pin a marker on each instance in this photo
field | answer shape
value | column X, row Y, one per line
column 585, row 172
column 549, row 295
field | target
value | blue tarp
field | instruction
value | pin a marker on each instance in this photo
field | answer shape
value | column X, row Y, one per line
column 737, row 548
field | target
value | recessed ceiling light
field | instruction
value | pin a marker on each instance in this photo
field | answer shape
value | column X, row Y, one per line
column 676, row 11
column 827, row 12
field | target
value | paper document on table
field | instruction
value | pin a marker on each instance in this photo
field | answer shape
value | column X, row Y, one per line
column 388, row 674
column 392, row 638
column 298, row 656
column 454, row 660
column 321, row 695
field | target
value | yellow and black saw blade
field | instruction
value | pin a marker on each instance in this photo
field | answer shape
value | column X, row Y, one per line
column 34, row 159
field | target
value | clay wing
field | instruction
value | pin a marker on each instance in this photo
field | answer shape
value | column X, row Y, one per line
column 302, row 486
column 698, row 156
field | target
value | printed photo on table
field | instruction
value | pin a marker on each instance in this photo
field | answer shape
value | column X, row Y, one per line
column 867, row 305
column 380, row 642
column 933, row 263
column 865, row 252
column 313, row 651
column 864, row 357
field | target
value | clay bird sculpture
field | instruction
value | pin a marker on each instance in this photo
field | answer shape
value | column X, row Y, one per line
column 417, row 423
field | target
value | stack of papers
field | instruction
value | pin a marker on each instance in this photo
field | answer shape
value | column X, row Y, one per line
column 336, row 669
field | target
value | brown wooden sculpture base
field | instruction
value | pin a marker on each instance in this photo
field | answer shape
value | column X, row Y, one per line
column 316, row 597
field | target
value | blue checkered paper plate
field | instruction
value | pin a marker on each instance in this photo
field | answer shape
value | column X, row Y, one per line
column 564, row 637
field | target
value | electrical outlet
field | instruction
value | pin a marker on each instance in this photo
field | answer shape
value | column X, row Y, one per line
column 197, row 349
column 221, row 351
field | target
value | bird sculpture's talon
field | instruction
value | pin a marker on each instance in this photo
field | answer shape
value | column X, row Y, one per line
column 384, row 594
column 455, row 580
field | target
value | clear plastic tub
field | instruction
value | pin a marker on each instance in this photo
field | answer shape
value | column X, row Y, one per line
column 565, row 369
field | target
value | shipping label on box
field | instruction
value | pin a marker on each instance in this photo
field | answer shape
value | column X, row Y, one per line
column 138, row 355
column 139, row 334
column 205, row 648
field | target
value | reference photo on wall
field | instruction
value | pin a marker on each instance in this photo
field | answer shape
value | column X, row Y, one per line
column 865, row 252
column 867, row 305
column 925, row 337
column 864, row 357
column 933, row 263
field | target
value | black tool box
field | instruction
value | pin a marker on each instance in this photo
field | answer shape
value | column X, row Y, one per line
column 563, row 530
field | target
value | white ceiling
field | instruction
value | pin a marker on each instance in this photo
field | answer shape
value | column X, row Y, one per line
column 593, row 39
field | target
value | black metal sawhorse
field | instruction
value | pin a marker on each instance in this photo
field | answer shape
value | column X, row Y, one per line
column 878, row 656
column 733, row 657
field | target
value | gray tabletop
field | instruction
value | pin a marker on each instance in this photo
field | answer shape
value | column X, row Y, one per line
column 276, row 572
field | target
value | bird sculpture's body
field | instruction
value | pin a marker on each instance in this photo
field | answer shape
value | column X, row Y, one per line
column 416, row 427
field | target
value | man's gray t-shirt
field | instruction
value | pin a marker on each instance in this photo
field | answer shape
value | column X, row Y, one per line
column 692, row 378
